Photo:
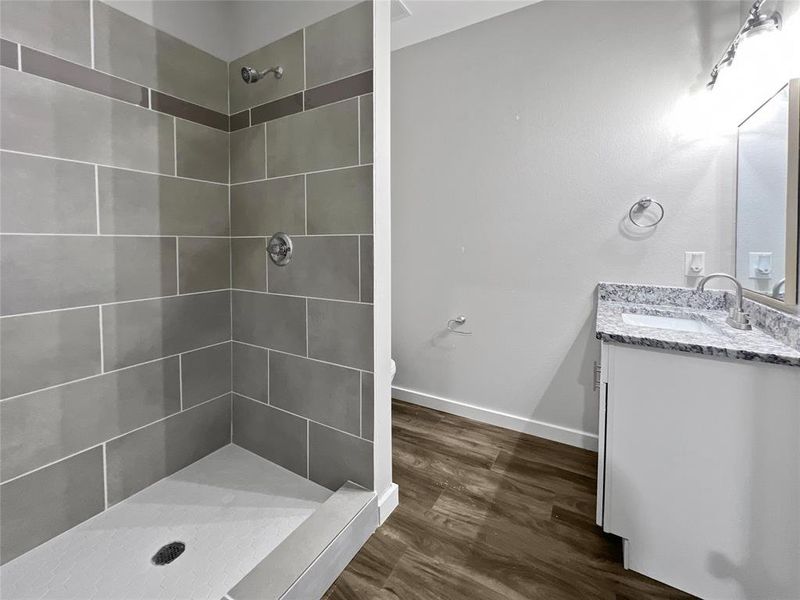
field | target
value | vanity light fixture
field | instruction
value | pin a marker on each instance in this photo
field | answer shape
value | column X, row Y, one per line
column 756, row 22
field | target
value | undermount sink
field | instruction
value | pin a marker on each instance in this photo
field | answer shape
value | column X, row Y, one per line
column 671, row 323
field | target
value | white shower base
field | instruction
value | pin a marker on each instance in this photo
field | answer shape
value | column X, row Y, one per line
column 231, row 509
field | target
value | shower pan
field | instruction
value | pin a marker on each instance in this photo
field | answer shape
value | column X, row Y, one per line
column 186, row 410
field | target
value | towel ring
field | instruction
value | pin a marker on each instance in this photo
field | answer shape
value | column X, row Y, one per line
column 459, row 320
column 642, row 205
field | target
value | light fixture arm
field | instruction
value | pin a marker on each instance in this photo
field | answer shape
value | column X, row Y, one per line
column 754, row 19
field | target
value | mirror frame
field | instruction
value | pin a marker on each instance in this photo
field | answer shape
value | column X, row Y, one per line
column 790, row 301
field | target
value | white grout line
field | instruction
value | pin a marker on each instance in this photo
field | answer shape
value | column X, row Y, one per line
column 180, row 379
column 305, row 200
column 251, row 181
column 305, row 78
column 97, row 197
column 83, row 162
column 177, row 268
column 91, row 45
column 360, row 404
column 360, row 284
column 319, row 360
column 125, row 368
column 306, row 327
column 171, row 296
column 102, row 351
column 358, row 129
column 303, row 297
column 308, row 448
column 128, row 235
column 175, row 144
column 266, row 155
column 105, row 478
column 269, row 396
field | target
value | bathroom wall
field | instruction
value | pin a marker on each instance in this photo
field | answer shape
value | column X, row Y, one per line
column 115, row 331
column 519, row 144
column 301, row 163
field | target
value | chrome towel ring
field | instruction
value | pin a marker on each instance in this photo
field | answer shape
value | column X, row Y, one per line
column 459, row 320
column 642, row 205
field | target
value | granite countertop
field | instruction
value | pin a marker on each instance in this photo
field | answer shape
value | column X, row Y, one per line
column 775, row 337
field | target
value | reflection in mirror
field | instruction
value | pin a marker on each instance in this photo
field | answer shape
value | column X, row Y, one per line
column 762, row 206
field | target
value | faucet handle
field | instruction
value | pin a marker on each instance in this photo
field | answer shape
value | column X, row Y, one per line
column 738, row 319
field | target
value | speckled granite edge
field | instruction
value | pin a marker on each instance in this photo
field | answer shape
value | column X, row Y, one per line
column 784, row 327
column 662, row 295
column 773, row 340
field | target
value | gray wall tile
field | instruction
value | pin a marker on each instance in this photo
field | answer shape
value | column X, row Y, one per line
column 47, row 272
column 45, row 426
column 325, row 393
column 205, row 374
column 340, row 201
column 367, row 405
column 365, row 129
column 340, row 45
column 270, row 433
column 146, row 455
column 248, row 154
column 45, row 65
column 44, row 117
column 264, row 207
column 202, row 151
column 134, row 332
column 204, row 264
column 324, row 267
column 134, row 50
column 335, row 457
column 37, row 351
column 323, row 138
column 271, row 321
column 59, row 27
column 41, row 505
column 286, row 52
column 367, row 267
column 250, row 371
column 249, row 261
column 340, row 332
column 140, row 203
column 42, row 195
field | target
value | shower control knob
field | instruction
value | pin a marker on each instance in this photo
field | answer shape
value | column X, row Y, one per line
column 279, row 249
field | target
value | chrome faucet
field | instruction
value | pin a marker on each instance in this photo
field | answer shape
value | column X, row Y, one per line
column 776, row 289
column 736, row 317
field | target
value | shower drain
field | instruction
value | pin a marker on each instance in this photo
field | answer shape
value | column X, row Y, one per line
column 168, row 553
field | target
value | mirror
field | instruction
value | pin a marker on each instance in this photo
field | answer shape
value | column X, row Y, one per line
column 767, row 199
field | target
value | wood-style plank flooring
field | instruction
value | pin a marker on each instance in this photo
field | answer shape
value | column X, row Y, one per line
column 489, row 514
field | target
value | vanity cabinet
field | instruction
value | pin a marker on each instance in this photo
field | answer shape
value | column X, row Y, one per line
column 699, row 470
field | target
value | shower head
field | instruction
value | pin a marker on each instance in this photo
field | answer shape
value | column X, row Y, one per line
column 250, row 75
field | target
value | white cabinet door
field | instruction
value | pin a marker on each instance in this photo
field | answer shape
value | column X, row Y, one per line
column 702, row 471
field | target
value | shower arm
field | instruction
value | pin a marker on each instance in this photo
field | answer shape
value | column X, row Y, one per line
column 277, row 71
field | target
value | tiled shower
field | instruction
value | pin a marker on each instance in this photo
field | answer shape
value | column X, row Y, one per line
column 143, row 325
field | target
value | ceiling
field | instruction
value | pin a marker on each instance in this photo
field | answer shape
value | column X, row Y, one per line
column 229, row 29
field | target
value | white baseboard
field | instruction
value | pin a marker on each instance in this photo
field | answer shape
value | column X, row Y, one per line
column 557, row 433
column 388, row 502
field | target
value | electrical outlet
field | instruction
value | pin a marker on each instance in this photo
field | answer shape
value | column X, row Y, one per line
column 694, row 264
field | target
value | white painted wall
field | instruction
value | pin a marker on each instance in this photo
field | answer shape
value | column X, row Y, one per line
column 519, row 144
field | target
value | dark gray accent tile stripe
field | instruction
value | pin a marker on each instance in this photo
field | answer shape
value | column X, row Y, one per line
column 63, row 71
column 339, row 90
column 8, row 54
column 186, row 110
column 45, row 503
column 239, row 121
column 146, row 455
column 277, row 108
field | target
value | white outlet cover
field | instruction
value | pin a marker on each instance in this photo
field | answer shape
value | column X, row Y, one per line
column 760, row 265
column 694, row 264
